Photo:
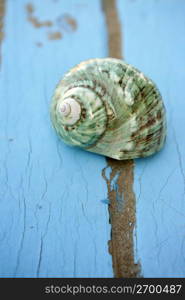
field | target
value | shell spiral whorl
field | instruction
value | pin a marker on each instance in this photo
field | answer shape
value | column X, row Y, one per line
column 108, row 107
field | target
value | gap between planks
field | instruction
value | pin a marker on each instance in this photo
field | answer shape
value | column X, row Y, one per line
column 120, row 183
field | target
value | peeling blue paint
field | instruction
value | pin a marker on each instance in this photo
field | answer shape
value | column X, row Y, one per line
column 52, row 222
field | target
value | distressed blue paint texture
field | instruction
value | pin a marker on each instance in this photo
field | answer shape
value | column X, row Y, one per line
column 53, row 222
column 154, row 41
column 53, row 212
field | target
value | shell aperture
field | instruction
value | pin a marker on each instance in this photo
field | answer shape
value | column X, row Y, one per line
column 109, row 107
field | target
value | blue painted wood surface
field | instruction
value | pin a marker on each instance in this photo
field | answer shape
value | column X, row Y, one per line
column 53, row 217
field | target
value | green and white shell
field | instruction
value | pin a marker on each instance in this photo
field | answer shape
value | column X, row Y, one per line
column 109, row 107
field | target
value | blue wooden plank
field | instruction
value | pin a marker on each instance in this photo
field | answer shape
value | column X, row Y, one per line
column 53, row 222
column 53, row 208
column 154, row 41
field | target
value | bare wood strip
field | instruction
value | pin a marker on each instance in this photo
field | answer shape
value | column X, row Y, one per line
column 113, row 28
column 122, row 203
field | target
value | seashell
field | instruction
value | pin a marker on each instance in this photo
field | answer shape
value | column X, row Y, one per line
column 109, row 107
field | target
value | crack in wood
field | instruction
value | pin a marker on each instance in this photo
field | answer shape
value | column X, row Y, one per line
column 122, row 207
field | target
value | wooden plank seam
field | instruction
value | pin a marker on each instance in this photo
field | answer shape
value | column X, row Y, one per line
column 122, row 201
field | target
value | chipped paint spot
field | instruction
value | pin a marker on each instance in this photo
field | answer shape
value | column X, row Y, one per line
column 30, row 8
column 38, row 24
column 64, row 22
column 67, row 22
column 122, row 202
column 54, row 35
column 2, row 13
column 33, row 20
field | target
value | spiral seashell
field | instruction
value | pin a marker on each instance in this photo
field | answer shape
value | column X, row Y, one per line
column 109, row 107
